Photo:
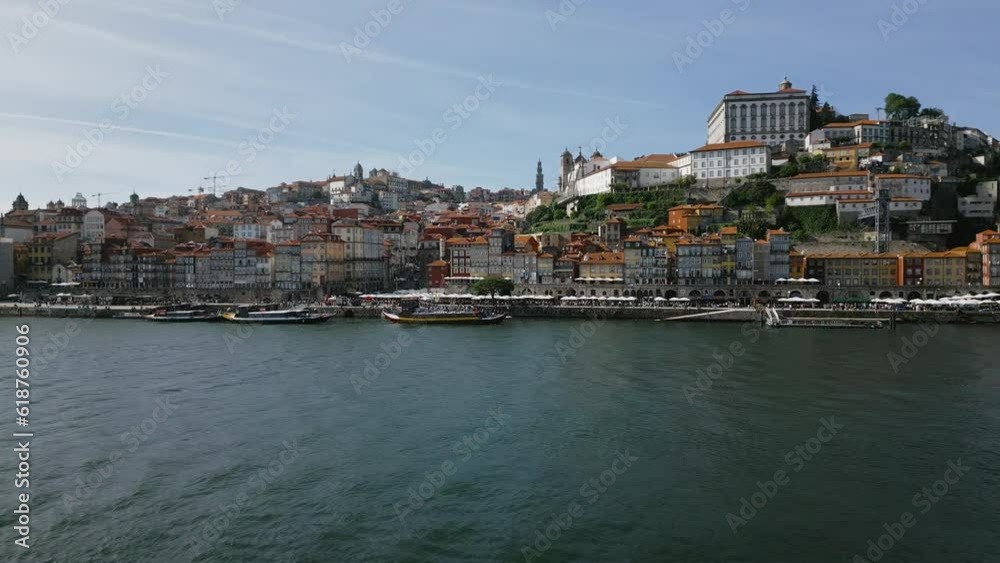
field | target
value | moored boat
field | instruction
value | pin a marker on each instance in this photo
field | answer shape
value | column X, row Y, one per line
column 288, row 316
column 184, row 315
column 445, row 317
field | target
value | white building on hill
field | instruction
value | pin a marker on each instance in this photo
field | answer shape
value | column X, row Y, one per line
column 768, row 117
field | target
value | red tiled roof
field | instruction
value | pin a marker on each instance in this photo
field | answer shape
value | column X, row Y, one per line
column 838, row 174
column 732, row 145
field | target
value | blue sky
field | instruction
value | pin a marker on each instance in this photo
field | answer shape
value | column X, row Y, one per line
column 215, row 78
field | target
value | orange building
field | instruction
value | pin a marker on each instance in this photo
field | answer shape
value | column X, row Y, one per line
column 695, row 219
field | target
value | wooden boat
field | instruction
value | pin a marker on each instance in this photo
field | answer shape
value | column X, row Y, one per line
column 283, row 317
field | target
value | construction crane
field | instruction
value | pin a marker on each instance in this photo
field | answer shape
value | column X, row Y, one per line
column 214, row 178
column 98, row 196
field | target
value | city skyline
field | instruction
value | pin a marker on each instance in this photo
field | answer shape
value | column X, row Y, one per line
column 312, row 90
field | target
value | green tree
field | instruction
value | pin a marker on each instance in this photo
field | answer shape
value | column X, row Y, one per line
column 898, row 106
column 808, row 163
column 932, row 112
column 492, row 286
column 755, row 191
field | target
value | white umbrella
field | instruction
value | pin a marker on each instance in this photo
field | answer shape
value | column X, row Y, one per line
column 812, row 280
column 660, row 299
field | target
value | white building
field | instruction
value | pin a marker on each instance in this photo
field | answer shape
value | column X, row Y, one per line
column 94, row 223
column 827, row 188
column 853, row 133
column 248, row 228
column 905, row 186
column 598, row 174
column 850, row 211
column 982, row 205
column 971, row 139
column 718, row 163
column 769, row 117
column 388, row 200
column 340, row 186
column 816, row 199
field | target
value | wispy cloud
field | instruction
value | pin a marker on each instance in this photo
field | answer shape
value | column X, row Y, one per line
column 371, row 55
column 136, row 45
column 137, row 130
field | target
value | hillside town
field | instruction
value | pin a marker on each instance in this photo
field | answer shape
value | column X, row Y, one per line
column 784, row 189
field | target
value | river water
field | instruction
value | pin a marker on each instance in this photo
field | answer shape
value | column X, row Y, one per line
column 532, row 441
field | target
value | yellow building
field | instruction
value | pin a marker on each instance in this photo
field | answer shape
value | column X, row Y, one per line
column 323, row 260
column 603, row 265
column 849, row 270
column 944, row 269
column 728, row 236
column 848, row 157
column 45, row 251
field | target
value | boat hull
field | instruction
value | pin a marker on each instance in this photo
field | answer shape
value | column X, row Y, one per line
column 204, row 319
column 311, row 320
column 465, row 320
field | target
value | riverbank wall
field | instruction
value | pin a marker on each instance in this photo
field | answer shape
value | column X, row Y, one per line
column 529, row 312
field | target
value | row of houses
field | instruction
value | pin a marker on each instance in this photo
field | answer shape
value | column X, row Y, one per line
column 665, row 255
column 977, row 264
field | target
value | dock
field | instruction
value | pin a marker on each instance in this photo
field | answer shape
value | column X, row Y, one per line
column 774, row 319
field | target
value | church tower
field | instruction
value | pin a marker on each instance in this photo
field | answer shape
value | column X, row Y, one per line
column 20, row 204
column 565, row 168
column 359, row 171
column 786, row 84
column 539, row 178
